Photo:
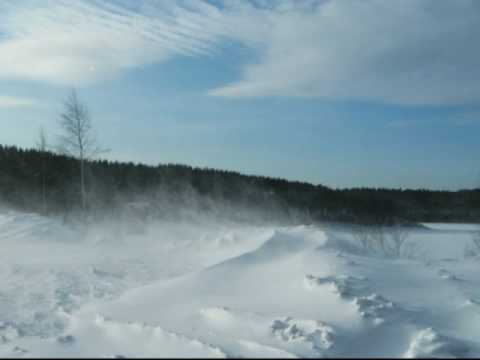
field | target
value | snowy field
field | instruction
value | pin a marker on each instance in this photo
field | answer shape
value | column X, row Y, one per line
column 208, row 289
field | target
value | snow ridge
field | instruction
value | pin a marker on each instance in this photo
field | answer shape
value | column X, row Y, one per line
column 213, row 290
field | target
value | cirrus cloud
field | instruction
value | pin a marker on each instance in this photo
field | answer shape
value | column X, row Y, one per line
column 85, row 41
column 406, row 52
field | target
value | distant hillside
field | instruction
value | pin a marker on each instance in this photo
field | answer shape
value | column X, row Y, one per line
column 113, row 184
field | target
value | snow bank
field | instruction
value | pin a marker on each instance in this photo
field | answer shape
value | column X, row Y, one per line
column 226, row 290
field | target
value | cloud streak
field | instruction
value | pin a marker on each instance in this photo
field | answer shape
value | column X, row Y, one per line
column 16, row 102
column 404, row 52
column 84, row 41
column 407, row 52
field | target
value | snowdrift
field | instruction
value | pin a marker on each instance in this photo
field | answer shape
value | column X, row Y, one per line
column 226, row 290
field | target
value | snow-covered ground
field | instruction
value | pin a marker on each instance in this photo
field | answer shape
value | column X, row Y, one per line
column 208, row 289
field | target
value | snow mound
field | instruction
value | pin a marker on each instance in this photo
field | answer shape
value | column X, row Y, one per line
column 473, row 302
column 18, row 350
column 447, row 275
column 344, row 285
column 266, row 335
column 283, row 243
column 8, row 332
column 427, row 343
column 219, row 315
column 100, row 336
column 140, row 339
column 319, row 336
column 374, row 306
column 251, row 349
column 178, row 289
column 15, row 226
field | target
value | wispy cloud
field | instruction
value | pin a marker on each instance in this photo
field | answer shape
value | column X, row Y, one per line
column 83, row 41
column 405, row 52
column 16, row 102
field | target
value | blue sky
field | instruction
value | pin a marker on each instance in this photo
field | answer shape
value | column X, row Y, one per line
column 342, row 93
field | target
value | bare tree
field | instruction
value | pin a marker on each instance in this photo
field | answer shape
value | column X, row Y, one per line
column 473, row 249
column 370, row 237
column 42, row 146
column 378, row 238
column 476, row 241
column 398, row 235
column 78, row 139
column 374, row 238
column 361, row 234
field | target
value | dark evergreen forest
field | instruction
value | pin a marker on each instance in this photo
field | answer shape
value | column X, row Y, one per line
column 113, row 185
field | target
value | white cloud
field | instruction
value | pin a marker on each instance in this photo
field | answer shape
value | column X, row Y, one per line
column 15, row 102
column 400, row 51
column 80, row 42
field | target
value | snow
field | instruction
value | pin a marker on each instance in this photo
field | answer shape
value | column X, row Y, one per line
column 218, row 289
column 453, row 226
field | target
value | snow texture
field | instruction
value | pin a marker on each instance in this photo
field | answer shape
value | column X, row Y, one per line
column 209, row 289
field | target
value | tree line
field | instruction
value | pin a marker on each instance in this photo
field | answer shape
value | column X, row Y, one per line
column 44, row 181
column 69, row 179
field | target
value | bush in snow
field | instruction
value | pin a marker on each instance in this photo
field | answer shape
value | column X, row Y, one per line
column 473, row 249
column 389, row 241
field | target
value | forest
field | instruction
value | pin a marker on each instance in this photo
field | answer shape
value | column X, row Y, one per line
column 48, row 182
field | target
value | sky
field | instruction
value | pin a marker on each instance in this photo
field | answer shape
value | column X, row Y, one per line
column 341, row 93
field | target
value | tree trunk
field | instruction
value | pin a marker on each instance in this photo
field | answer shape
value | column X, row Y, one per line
column 82, row 185
column 44, row 188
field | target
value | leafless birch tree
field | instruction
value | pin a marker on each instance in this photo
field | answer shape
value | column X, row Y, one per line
column 78, row 139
